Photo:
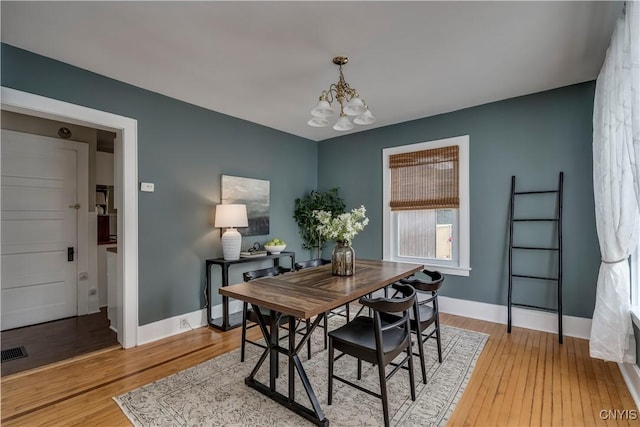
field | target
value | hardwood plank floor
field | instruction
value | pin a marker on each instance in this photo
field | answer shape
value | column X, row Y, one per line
column 522, row 378
column 58, row 340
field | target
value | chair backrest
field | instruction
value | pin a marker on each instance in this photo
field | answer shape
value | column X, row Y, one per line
column 424, row 285
column 311, row 263
column 392, row 305
column 264, row 272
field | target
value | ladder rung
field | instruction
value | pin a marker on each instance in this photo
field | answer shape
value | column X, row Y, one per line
column 536, row 192
column 535, row 277
column 535, row 219
column 534, row 248
column 554, row 310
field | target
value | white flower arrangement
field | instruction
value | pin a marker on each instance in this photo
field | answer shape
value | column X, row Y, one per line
column 343, row 227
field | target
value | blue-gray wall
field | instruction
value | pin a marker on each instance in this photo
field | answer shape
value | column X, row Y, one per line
column 533, row 137
column 184, row 150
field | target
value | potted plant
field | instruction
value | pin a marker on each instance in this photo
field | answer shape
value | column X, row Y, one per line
column 305, row 206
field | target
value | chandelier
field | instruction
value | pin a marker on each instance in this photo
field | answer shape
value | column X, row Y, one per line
column 350, row 104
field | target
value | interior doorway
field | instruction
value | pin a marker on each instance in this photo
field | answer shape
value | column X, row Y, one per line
column 54, row 302
column 125, row 155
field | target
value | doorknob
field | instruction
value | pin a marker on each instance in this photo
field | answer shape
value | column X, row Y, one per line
column 76, row 206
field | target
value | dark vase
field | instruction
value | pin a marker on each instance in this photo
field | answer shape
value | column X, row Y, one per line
column 343, row 259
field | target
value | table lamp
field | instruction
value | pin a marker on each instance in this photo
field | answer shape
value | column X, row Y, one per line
column 101, row 203
column 230, row 216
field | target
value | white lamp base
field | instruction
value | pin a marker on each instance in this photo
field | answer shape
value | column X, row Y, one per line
column 231, row 241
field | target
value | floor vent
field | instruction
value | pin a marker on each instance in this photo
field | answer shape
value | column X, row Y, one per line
column 13, row 353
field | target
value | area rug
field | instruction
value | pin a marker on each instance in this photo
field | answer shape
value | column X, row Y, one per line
column 213, row 393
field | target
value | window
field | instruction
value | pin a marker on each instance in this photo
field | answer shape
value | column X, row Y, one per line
column 426, row 204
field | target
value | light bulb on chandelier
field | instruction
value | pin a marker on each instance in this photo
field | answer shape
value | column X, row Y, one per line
column 350, row 104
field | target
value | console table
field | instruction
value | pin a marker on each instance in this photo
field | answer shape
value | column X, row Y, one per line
column 225, row 323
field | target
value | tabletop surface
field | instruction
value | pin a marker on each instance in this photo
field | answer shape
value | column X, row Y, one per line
column 311, row 291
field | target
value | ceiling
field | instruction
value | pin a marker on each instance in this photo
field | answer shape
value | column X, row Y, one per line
column 267, row 62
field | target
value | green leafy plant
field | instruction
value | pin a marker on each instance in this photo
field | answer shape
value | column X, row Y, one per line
column 308, row 223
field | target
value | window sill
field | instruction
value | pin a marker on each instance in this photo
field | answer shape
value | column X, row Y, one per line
column 444, row 269
column 455, row 271
column 635, row 315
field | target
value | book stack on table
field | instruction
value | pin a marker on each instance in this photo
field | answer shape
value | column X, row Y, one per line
column 246, row 254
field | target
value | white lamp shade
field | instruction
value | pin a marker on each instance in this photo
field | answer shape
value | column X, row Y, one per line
column 231, row 215
column 323, row 109
column 343, row 124
column 365, row 118
column 354, row 107
column 318, row 122
column 100, row 198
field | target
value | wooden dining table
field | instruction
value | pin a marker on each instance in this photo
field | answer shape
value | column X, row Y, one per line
column 306, row 294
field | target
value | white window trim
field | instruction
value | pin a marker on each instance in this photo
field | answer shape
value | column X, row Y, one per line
column 634, row 266
column 464, row 265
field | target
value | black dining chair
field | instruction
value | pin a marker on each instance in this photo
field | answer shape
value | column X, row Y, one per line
column 377, row 342
column 425, row 315
column 248, row 315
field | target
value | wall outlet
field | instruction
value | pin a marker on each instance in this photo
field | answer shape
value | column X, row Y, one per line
column 148, row 187
column 183, row 323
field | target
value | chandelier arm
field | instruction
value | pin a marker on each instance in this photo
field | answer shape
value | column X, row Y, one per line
column 325, row 96
column 332, row 93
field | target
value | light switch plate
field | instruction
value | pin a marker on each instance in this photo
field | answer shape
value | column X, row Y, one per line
column 146, row 187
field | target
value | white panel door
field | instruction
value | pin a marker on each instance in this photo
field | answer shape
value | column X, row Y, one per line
column 39, row 224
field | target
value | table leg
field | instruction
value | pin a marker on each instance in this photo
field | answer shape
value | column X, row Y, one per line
column 267, row 339
column 225, row 321
column 313, row 414
column 292, row 349
column 209, row 295
column 273, row 351
column 225, row 300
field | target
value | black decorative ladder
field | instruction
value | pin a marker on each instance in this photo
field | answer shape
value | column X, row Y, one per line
column 557, row 221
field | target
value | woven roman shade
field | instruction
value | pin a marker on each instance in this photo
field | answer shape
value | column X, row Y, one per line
column 426, row 179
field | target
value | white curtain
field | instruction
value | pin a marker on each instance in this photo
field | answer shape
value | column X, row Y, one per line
column 616, row 185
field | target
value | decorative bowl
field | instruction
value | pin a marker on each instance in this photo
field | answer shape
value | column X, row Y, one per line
column 275, row 249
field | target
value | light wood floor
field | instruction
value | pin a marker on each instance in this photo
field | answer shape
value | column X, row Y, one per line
column 523, row 378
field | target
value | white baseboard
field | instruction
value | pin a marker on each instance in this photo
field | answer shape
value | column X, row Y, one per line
column 171, row 326
column 578, row 327
column 631, row 374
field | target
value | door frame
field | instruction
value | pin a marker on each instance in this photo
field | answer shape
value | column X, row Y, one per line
column 126, row 130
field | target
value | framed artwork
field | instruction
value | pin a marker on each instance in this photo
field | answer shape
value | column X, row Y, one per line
column 251, row 192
